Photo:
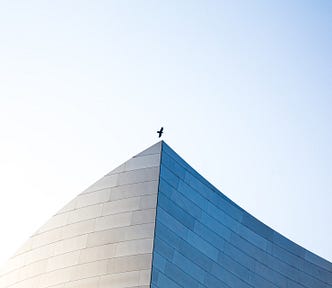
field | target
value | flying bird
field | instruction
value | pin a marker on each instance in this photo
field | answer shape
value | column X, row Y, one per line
column 160, row 132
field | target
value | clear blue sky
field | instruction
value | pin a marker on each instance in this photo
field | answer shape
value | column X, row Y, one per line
column 243, row 89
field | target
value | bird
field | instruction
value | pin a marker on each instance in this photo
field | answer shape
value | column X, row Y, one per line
column 160, row 132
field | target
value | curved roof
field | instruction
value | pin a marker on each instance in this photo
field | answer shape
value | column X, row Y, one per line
column 203, row 239
column 155, row 222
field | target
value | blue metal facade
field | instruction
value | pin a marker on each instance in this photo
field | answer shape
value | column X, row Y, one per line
column 203, row 239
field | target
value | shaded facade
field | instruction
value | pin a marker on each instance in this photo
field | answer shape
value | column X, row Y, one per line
column 203, row 239
column 155, row 222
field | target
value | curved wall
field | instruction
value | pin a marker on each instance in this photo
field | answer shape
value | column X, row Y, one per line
column 111, row 236
column 103, row 238
column 203, row 239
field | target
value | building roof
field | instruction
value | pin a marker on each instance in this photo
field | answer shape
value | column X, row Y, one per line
column 155, row 222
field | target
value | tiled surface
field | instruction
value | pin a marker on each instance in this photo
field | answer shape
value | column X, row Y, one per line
column 203, row 239
column 102, row 238
column 110, row 236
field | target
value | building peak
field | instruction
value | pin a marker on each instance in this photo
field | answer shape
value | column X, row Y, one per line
column 155, row 222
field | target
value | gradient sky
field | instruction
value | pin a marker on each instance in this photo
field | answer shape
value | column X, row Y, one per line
column 243, row 89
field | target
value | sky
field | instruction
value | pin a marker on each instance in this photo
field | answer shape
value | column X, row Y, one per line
column 242, row 88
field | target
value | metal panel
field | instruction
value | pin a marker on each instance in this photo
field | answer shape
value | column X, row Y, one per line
column 203, row 239
column 197, row 237
column 102, row 238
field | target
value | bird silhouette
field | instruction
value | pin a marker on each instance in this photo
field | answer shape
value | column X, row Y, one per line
column 160, row 132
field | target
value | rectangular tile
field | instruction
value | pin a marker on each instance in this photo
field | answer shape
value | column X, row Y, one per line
column 71, row 244
column 93, row 198
column 143, row 216
column 129, row 263
column 32, row 270
column 132, row 190
column 137, row 176
column 143, row 161
column 84, row 283
column 85, row 213
column 120, row 280
column 55, row 222
column 77, row 229
column 62, row 261
column 113, row 221
column 87, row 270
column 103, row 183
column 97, row 253
column 121, row 234
column 133, row 247
column 123, row 205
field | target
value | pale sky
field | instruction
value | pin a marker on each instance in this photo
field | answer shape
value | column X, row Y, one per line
column 243, row 89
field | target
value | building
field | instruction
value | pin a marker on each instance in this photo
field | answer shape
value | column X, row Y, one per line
column 155, row 222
